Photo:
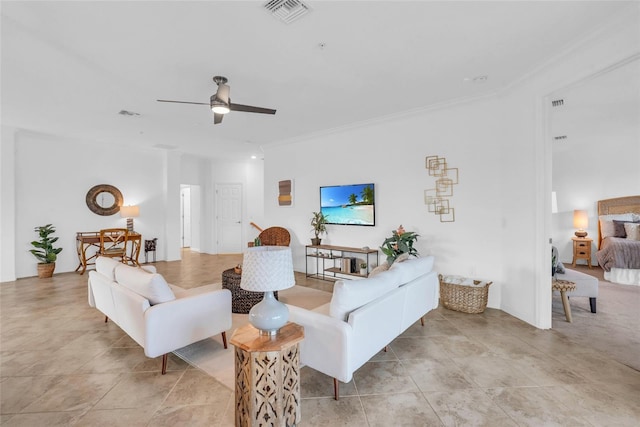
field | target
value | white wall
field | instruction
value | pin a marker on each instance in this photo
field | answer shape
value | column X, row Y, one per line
column 391, row 154
column 7, row 205
column 53, row 176
column 502, row 147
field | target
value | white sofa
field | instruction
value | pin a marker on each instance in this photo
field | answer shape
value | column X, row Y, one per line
column 364, row 316
column 158, row 316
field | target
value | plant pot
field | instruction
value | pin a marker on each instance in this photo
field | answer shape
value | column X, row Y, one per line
column 315, row 241
column 363, row 271
column 45, row 270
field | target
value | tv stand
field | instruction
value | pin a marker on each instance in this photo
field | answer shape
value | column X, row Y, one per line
column 325, row 259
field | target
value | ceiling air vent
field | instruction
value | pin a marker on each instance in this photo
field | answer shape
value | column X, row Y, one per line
column 287, row 10
column 557, row 103
column 560, row 138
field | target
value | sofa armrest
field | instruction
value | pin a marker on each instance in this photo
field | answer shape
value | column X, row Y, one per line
column 183, row 321
column 327, row 342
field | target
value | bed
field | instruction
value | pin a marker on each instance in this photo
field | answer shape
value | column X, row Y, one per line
column 618, row 252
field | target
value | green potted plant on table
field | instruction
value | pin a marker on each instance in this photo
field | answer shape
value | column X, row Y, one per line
column 400, row 242
column 45, row 252
column 319, row 226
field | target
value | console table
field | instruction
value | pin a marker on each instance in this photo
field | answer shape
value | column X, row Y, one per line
column 330, row 253
column 91, row 239
column 267, row 376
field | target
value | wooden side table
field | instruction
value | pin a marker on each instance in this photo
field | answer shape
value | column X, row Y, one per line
column 267, row 376
column 581, row 249
column 563, row 286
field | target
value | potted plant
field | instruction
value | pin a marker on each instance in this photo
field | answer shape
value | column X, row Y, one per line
column 45, row 252
column 319, row 226
column 363, row 268
column 400, row 242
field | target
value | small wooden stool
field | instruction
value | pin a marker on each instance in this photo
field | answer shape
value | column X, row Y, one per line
column 563, row 286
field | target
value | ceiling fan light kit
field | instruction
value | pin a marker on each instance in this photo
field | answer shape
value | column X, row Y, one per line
column 220, row 103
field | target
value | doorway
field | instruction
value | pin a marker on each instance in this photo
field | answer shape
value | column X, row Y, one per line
column 190, row 216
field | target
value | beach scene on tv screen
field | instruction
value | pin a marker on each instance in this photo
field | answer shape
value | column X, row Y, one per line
column 348, row 204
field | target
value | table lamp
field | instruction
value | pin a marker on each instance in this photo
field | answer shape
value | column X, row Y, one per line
column 580, row 221
column 267, row 269
column 129, row 212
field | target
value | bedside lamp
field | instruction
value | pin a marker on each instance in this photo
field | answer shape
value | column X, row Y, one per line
column 580, row 221
column 129, row 212
column 267, row 269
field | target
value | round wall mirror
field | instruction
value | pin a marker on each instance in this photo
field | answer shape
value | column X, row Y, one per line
column 104, row 199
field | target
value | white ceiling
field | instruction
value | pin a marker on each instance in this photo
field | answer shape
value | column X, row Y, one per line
column 68, row 68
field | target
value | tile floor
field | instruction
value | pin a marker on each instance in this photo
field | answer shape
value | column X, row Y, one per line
column 61, row 365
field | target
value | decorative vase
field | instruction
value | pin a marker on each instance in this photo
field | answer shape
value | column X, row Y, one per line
column 315, row 241
column 45, row 270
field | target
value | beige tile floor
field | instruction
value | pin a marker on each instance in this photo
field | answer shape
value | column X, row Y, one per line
column 61, row 365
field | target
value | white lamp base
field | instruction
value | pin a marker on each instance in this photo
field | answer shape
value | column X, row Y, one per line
column 269, row 315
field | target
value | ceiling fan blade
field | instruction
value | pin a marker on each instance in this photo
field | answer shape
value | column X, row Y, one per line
column 250, row 109
column 217, row 118
column 181, row 102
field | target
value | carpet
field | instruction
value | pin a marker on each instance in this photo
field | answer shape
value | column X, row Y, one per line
column 210, row 355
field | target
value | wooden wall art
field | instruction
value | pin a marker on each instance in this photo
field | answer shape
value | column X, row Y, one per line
column 285, row 193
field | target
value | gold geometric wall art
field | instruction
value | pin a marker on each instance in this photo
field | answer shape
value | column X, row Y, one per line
column 437, row 199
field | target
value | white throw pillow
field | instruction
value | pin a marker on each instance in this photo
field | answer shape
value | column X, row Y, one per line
column 151, row 286
column 107, row 267
column 349, row 295
column 412, row 268
column 633, row 230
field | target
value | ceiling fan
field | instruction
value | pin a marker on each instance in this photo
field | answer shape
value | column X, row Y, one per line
column 221, row 104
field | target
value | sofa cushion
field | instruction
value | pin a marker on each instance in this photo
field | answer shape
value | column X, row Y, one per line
column 349, row 295
column 152, row 286
column 412, row 268
column 107, row 267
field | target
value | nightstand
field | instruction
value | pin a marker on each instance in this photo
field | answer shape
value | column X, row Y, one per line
column 581, row 249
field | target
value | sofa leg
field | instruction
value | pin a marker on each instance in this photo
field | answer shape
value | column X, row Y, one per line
column 592, row 303
column 164, row 363
column 336, row 389
column 106, row 319
column 224, row 339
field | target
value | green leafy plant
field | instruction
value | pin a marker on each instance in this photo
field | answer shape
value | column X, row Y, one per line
column 319, row 223
column 400, row 242
column 45, row 252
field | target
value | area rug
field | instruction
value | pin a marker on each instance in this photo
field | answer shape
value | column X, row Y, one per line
column 210, row 355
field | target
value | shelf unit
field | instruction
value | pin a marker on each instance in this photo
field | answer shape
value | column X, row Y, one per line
column 324, row 253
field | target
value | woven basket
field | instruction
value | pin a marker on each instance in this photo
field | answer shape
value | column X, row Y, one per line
column 467, row 299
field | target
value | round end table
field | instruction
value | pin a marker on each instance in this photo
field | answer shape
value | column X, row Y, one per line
column 241, row 300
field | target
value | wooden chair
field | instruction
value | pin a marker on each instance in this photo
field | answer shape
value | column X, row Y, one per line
column 113, row 243
column 275, row 236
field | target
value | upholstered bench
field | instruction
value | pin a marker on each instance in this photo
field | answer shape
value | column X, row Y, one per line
column 586, row 286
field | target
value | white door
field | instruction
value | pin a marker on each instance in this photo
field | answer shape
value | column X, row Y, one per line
column 229, row 218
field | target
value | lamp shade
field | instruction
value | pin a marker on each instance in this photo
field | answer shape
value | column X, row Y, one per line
column 129, row 211
column 267, row 268
column 580, row 219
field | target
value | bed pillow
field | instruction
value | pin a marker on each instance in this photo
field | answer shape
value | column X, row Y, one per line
column 606, row 223
column 618, row 228
column 633, row 230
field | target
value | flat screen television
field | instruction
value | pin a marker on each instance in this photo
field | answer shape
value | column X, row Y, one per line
column 349, row 204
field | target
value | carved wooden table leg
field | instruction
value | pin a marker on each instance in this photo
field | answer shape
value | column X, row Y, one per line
column 267, row 376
